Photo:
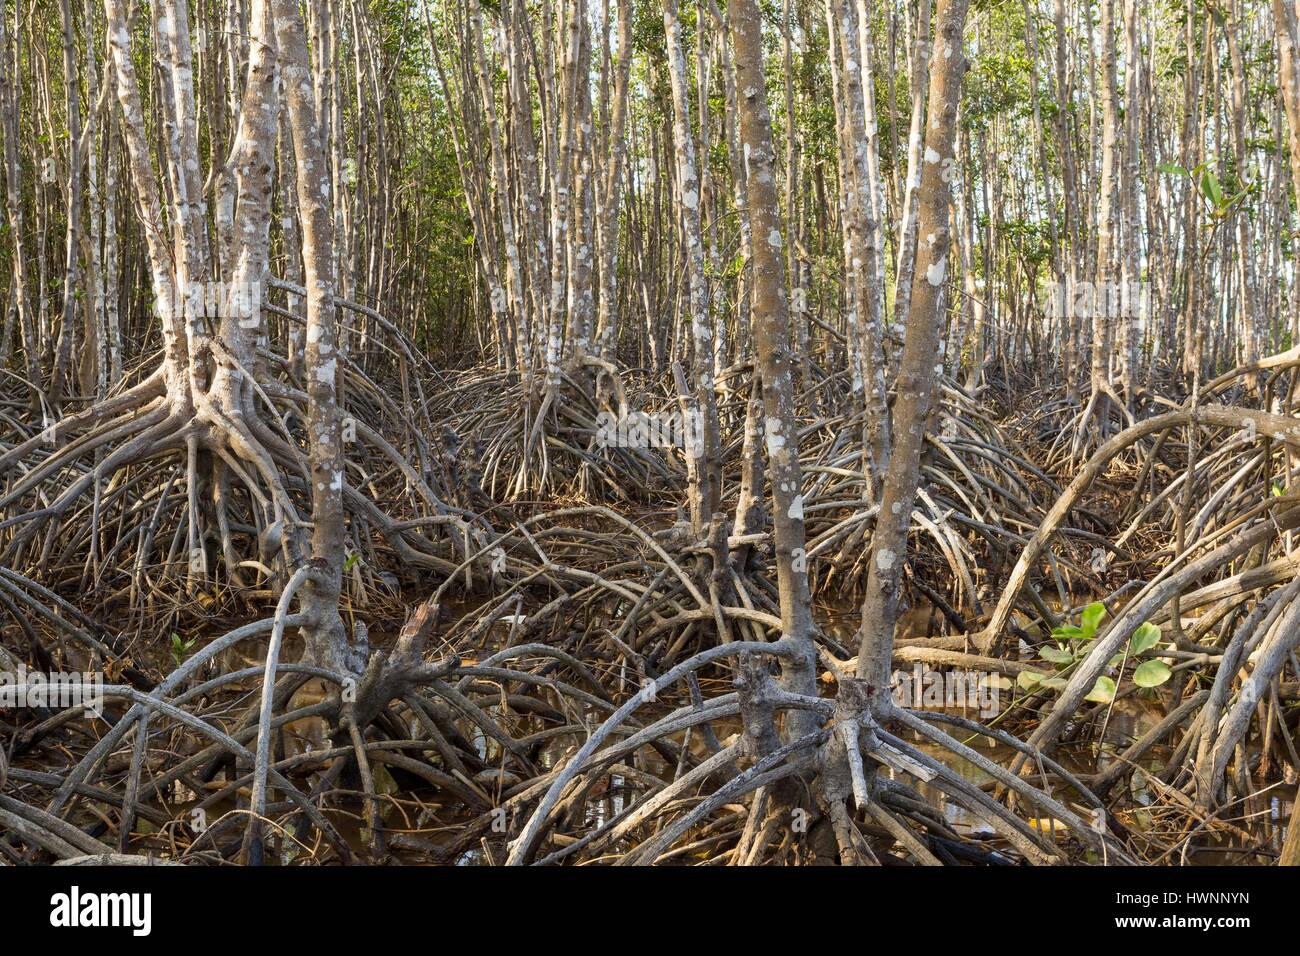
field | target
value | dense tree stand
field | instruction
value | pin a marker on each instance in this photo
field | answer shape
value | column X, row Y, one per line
column 642, row 432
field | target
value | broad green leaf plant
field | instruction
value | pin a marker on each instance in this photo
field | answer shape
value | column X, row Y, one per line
column 1072, row 643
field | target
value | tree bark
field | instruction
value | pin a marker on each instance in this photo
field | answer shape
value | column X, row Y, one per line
column 707, row 462
column 771, row 330
column 324, row 633
column 922, row 360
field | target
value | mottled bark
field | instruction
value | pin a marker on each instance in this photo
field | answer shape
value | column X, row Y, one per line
column 921, row 364
column 1287, row 34
column 706, row 471
column 1106, row 216
column 862, row 238
column 324, row 632
column 9, row 129
column 905, row 264
column 607, row 224
column 771, row 330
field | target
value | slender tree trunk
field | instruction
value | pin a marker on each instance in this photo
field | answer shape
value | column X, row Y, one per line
column 771, row 330
column 10, row 127
column 906, row 260
column 1066, row 276
column 325, row 636
column 1287, row 35
column 607, row 233
column 708, row 464
column 72, row 191
column 1107, row 206
column 862, row 234
column 921, row 364
column 505, row 302
column 1131, row 299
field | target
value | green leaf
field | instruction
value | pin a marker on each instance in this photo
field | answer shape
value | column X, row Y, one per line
column 1210, row 186
column 1151, row 674
column 1028, row 679
column 1055, row 683
column 1055, row 655
column 351, row 561
column 1173, row 168
column 1092, row 615
column 1068, row 632
column 1146, row 637
column 1103, row 692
